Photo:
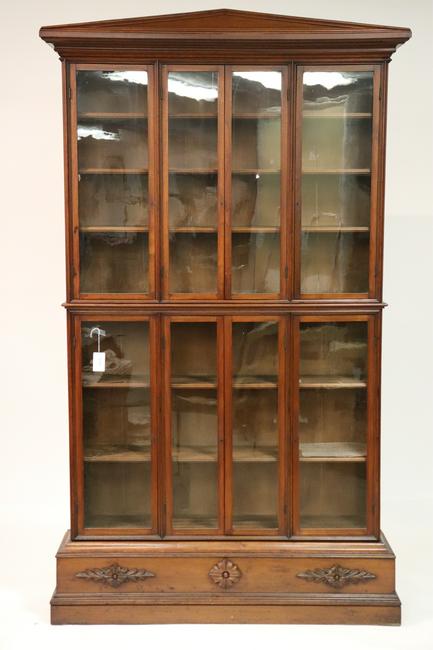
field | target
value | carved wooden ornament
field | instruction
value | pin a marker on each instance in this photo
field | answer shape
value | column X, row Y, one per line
column 225, row 574
column 115, row 575
column 337, row 576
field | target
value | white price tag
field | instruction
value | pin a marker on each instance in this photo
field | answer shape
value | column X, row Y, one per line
column 98, row 362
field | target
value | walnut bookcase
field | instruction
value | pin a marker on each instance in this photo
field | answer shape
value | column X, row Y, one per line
column 224, row 175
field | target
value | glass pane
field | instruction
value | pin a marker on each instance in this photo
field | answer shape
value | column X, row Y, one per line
column 194, row 417
column 336, row 166
column 256, row 165
column 333, row 424
column 255, row 425
column 117, row 426
column 113, row 180
column 193, row 181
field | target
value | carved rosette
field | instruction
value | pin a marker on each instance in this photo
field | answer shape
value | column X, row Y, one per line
column 115, row 575
column 225, row 574
column 337, row 576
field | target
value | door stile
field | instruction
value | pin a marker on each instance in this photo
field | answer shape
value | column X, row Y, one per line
column 373, row 432
column 283, row 425
column 74, row 176
column 298, row 72
column 294, row 421
column 167, row 492
column 285, row 176
column 228, row 419
column 221, row 407
column 228, row 150
column 164, row 217
column 155, row 388
column 77, row 455
column 378, row 179
column 153, row 184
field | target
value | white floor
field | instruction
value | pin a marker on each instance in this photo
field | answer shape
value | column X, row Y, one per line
column 27, row 581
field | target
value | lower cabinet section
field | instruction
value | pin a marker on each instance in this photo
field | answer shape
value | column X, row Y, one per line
column 225, row 582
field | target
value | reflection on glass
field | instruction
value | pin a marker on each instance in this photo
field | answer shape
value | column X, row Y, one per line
column 256, row 165
column 333, row 424
column 255, row 425
column 117, row 426
column 336, row 165
column 194, row 417
column 193, row 181
column 113, row 180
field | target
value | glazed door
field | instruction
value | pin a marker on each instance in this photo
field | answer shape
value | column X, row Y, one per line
column 257, row 147
column 224, row 426
column 255, row 434
column 336, row 181
column 116, row 426
column 224, row 165
column 194, row 425
column 113, row 181
column 335, row 426
column 193, row 181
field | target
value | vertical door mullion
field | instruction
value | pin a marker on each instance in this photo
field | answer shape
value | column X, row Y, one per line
column 220, row 343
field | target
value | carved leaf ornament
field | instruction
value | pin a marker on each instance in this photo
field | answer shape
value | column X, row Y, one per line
column 115, row 575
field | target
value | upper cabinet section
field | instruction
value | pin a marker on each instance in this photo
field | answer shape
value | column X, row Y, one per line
column 209, row 181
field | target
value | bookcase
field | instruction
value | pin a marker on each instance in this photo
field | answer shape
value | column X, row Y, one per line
column 224, row 179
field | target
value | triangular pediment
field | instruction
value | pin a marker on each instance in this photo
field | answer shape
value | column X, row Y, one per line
column 219, row 20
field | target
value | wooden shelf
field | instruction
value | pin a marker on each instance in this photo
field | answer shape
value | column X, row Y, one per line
column 193, row 116
column 193, row 170
column 256, row 116
column 114, row 229
column 109, row 170
column 334, row 452
column 214, row 116
column 254, row 383
column 214, row 170
column 194, row 455
column 330, row 382
column 118, row 521
column 255, row 454
column 254, row 170
column 332, row 522
column 193, row 522
column 129, row 381
column 255, row 229
column 112, row 116
column 194, row 229
column 337, row 171
column 201, row 454
column 253, row 522
column 235, row 229
column 194, row 382
column 341, row 116
column 118, row 455
column 335, row 229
